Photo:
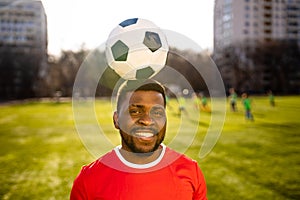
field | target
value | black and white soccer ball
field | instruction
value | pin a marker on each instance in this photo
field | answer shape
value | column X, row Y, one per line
column 136, row 49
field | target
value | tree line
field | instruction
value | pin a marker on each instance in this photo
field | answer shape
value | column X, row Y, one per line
column 258, row 67
column 268, row 66
column 21, row 77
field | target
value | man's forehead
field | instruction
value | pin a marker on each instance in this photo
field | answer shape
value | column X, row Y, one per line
column 143, row 97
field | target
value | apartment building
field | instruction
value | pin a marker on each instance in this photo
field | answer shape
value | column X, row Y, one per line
column 23, row 25
column 23, row 32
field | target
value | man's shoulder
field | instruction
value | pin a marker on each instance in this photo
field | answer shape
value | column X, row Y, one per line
column 99, row 163
column 179, row 158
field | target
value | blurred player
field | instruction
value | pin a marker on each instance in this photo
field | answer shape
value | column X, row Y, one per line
column 204, row 104
column 182, row 105
column 271, row 98
column 233, row 99
column 247, row 105
column 196, row 101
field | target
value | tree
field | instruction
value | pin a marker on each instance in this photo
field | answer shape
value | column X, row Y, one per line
column 187, row 64
column 62, row 72
column 281, row 65
column 258, row 67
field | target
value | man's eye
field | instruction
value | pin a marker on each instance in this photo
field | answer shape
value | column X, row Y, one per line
column 134, row 112
column 158, row 113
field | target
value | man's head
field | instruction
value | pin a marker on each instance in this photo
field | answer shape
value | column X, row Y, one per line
column 139, row 85
column 140, row 115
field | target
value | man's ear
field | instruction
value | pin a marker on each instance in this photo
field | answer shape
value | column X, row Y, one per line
column 116, row 120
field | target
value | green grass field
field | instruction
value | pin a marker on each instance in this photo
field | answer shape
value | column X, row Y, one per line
column 41, row 152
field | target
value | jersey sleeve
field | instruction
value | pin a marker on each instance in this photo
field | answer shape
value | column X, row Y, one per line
column 201, row 190
column 78, row 191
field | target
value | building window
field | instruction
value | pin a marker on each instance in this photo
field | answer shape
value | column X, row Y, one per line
column 227, row 1
column 227, row 25
column 227, row 9
column 227, row 17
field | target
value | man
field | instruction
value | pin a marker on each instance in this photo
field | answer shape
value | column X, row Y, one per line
column 142, row 167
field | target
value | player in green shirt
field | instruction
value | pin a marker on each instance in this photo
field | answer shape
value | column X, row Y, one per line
column 247, row 106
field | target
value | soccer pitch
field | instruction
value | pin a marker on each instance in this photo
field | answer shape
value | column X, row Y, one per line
column 41, row 152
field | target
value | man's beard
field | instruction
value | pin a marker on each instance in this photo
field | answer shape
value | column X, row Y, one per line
column 139, row 151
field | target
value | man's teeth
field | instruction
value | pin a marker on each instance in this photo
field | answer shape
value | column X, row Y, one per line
column 144, row 134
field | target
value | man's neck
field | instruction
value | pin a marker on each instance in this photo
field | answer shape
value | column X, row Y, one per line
column 141, row 158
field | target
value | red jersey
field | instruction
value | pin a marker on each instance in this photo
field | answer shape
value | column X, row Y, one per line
column 172, row 176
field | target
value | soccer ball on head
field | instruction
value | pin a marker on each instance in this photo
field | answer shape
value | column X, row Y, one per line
column 136, row 49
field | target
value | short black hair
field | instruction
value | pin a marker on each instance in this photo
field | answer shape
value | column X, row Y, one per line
column 139, row 85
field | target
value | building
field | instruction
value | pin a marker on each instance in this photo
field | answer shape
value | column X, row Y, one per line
column 249, row 23
column 23, row 33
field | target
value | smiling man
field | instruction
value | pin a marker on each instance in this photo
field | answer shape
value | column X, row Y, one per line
column 142, row 167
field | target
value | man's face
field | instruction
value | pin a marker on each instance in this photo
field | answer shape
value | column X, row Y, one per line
column 141, row 121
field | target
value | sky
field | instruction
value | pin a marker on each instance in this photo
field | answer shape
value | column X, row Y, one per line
column 73, row 23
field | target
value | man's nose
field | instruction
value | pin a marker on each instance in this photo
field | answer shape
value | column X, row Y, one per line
column 146, row 119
